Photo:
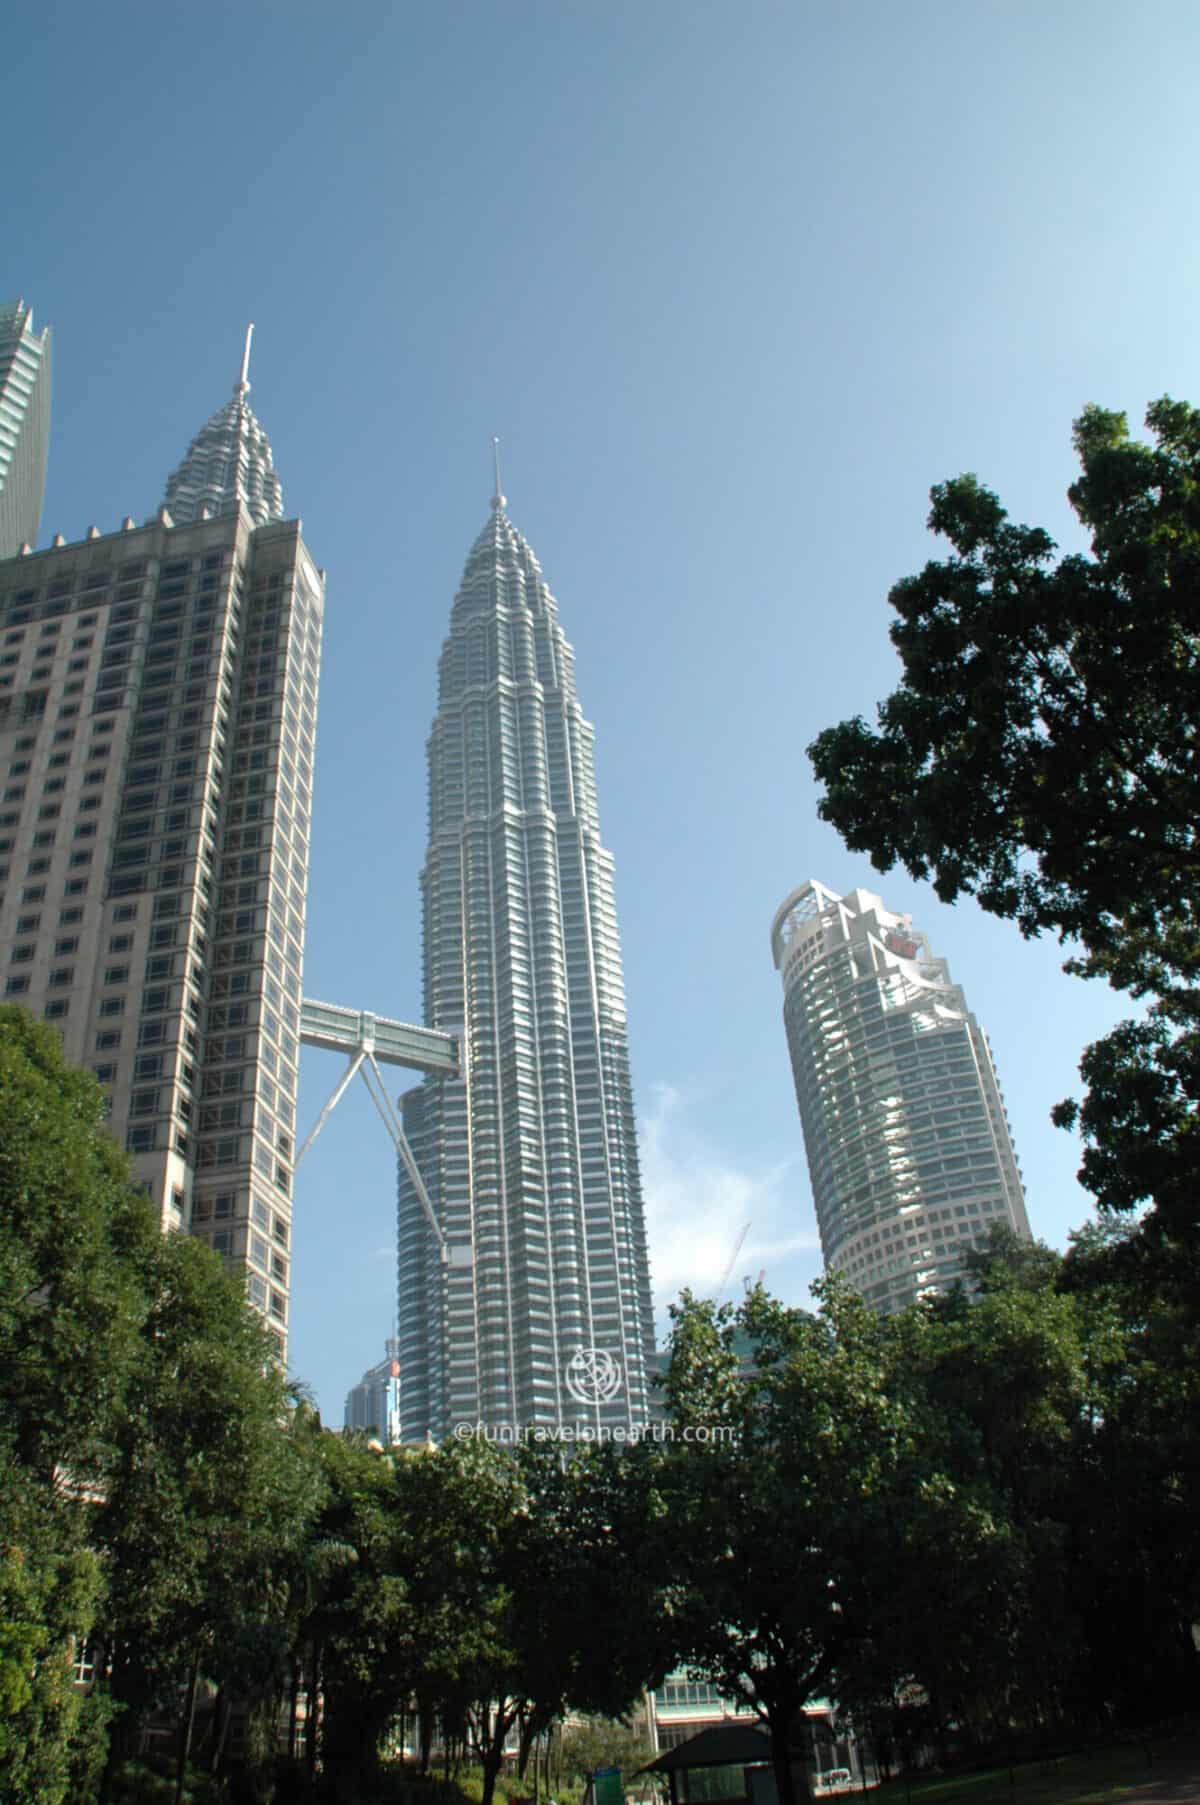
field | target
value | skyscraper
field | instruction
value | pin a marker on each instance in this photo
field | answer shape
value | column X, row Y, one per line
column 908, row 1142
column 24, row 426
column 531, row 1158
column 371, row 1404
column 157, row 716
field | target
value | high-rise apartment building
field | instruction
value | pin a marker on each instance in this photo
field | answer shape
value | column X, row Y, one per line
column 908, row 1143
column 157, row 716
column 531, row 1157
column 24, row 426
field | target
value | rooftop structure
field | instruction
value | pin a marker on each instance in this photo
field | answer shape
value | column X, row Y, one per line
column 228, row 464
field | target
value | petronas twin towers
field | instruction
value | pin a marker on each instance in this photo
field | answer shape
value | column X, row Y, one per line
column 176, row 664
column 531, row 1157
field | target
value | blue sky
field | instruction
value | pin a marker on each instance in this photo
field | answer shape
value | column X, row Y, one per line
column 734, row 283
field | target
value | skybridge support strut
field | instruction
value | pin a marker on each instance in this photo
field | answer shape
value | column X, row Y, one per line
column 369, row 1040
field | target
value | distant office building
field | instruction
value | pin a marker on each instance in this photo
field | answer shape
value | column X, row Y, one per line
column 24, row 426
column 684, row 1707
column 373, row 1405
column 157, row 714
column 908, row 1143
column 532, row 1157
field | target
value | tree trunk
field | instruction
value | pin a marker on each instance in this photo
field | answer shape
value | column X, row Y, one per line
column 781, row 1759
column 189, row 1719
column 294, row 1707
column 493, row 1753
column 528, row 1732
column 310, row 1721
column 491, row 1769
column 224, row 1714
column 120, row 1737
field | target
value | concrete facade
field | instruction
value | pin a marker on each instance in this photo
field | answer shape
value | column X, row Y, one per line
column 157, row 721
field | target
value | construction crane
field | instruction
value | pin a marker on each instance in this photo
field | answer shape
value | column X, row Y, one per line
column 737, row 1248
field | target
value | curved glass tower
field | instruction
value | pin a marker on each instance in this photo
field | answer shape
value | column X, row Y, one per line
column 532, row 1156
column 907, row 1138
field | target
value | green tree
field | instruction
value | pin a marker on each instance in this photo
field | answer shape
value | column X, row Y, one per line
column 1040, row 754
column 595, row 1601
column 203, row 1496
column 1007, row 1392
column 1142, row 1514
column 71, row 1305
column 593, row 1742
column 360, row 1634
column 50, row 1582
column 475, row 1571
column 1061, row 1410
column 791, row 1488
column 71, row 1231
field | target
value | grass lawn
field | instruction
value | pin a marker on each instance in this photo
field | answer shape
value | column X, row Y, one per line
column 1072, row 1780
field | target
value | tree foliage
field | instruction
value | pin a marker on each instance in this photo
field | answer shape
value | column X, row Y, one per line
column 975, row 1518
column 71, row 1228
column 205, row 1494
column 1042, row 753
column 790, row 1498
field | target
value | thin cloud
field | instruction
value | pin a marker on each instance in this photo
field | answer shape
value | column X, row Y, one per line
column 697, row 1202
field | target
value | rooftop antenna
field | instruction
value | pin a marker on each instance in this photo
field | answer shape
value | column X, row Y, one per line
column 499, row 498
column 243, row 379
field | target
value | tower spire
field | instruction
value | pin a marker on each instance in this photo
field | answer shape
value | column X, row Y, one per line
column 499, row 498
column 228, row 462
column 244, row 379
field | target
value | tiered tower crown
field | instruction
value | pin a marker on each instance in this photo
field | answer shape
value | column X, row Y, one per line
column 229, row 461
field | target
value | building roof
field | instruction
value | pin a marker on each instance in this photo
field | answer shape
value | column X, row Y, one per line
column 726, row 1745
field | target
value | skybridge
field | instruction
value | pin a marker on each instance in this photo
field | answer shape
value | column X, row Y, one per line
column 369, row 1042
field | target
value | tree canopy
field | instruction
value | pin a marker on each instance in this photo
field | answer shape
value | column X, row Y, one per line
column 1042, row 753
